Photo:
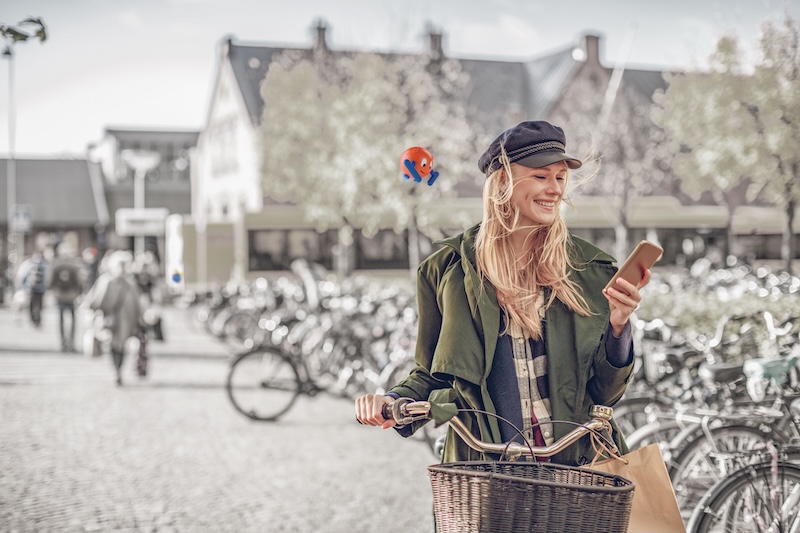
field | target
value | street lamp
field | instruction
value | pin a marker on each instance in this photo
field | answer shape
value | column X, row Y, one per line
column 12, row 35
column 142, row 162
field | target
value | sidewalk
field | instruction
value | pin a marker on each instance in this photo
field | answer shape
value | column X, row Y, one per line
column 169, row 454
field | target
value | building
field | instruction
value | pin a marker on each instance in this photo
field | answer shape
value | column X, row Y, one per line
column 78, row 199
column 238, row 232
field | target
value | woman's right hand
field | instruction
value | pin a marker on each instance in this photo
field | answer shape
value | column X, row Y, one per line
column 369, row 407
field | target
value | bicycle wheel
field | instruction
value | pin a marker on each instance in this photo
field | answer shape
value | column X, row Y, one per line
column 633, row 413
column 263, row 384
column 660, row 432
column 695, row 469
column 751, row 499
column 241, row 332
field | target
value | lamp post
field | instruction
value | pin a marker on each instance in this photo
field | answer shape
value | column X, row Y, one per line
column 12, row 35
column 142, row 162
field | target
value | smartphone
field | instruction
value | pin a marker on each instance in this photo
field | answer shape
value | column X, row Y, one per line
column 643, row 257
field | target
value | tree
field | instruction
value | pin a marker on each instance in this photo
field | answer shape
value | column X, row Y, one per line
column 334, row 127
column 709, row 133
column 775, row 106
column 620, row 162
column 735, row 133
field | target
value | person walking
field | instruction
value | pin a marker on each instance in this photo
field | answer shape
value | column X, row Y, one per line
column 33, row 274
column 116, row 295
column 66, row 286
column 514, row 316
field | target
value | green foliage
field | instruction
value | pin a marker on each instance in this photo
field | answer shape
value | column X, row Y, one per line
column 712, row 131
column 776, row 107
column 16, row 33
column 334, row 128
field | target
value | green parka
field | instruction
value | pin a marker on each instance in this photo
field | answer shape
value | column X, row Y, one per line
column 459, row 323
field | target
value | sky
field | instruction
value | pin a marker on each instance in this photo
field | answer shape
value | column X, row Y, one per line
column 151, row 63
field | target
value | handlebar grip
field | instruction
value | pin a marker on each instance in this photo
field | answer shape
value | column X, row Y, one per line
column 386, row 412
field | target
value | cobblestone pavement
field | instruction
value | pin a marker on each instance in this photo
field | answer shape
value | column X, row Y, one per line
column 169, row 453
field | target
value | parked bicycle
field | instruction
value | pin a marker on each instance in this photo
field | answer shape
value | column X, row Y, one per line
column 761, row 495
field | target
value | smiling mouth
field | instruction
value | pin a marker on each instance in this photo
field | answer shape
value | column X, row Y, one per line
column 544, row 204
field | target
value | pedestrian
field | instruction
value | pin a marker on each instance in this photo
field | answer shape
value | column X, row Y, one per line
column 33, row 275
column 66, row 285
column 116, row 295
column 514, row 317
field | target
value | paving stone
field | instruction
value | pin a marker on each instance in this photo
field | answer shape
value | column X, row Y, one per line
column 169, row 453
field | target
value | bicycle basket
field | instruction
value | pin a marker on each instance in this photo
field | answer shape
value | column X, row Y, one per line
column 502, row 496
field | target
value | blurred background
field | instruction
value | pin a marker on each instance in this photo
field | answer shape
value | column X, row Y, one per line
column 247, row 155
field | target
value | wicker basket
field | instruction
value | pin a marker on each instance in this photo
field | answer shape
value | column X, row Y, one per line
column 499, row 497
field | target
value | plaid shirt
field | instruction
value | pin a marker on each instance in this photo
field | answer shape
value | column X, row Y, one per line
column 530, row 364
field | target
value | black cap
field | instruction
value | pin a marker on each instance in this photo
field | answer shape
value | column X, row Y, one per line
column 532, row 144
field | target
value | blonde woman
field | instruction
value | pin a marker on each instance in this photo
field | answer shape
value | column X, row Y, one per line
column 514, row 319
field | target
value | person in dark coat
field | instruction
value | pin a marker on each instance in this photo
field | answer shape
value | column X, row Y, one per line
column 116, row 294
column 34, row 273
column 66, row 285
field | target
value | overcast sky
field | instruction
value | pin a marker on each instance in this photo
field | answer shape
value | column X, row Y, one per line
column 150, row 63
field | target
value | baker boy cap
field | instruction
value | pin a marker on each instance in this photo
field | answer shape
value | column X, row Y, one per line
column 532, row 144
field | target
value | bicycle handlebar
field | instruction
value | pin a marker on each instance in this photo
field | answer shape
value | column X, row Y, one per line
column 406, row 410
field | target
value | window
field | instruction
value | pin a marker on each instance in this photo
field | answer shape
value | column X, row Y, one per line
column 384, row 250
column 275, row 249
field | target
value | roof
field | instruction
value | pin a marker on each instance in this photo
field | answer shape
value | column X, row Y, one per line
column 498, row 88
column 60, row 192
column 128, row 136
column 547, row 77
column 250, row 64
column 644, row 82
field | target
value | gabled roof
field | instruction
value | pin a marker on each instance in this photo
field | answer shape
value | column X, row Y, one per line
column 547, row 77
column 644, row 82
column 498, row 89
column 250, row 64
column 58, row 191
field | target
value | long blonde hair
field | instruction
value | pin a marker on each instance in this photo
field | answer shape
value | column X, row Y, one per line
column 547, row 263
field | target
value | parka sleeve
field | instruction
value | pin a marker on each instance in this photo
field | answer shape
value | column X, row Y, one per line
column 420, row 382
column 609, row 381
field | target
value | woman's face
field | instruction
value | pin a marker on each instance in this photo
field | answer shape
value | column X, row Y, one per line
column 537, row 192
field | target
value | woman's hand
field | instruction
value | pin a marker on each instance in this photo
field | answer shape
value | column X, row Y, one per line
column 369, row 407
column 623, row 299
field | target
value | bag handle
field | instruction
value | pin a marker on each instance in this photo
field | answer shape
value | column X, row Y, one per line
column 601, row 448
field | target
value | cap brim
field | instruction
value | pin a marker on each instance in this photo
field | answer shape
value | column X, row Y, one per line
column 542, row 159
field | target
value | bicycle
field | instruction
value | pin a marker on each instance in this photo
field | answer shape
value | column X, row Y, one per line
column 529, row 496
column 763, row 496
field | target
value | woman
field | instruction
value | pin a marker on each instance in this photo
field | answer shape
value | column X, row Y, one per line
column 116, row 295
column 514, row 318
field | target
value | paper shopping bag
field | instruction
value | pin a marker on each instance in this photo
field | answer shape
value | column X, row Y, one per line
column 655, row 508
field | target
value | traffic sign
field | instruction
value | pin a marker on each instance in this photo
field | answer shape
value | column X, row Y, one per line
column 140, row 222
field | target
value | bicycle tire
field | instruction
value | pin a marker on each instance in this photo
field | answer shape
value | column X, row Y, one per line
column 693, row 470
column 263, row 384
column 241, row 332
column 737, row 502
column 631, row 413
column 660, row 432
